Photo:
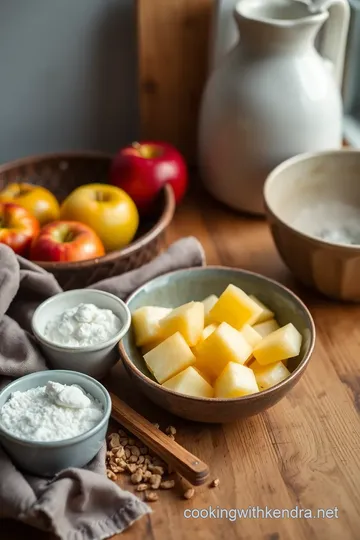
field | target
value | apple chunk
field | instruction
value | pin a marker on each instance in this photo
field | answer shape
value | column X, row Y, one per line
column 266, row 328
column 150, row 346
column 187, row 319
column 209, row 302
column 236, row 308
column 223, row 345
column 235, row 381
column 191, row 383
column 145, row 321
column 208, row 330
column 251, row 335
column 280, row 345
column 169, row 358
column 266, row 313
column 268, row 376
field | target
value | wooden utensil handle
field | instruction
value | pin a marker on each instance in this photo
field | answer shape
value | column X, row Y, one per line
column 182, row 461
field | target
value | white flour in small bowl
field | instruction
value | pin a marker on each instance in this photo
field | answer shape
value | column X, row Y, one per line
column 335, row 222
column 50, row 413
column 82, row 326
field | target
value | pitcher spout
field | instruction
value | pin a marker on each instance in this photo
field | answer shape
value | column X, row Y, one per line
column 269, row 24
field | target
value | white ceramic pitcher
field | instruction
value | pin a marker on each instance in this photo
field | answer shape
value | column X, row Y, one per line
column 272, row 96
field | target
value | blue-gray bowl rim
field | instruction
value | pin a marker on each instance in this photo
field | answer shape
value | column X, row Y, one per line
column 62, row 442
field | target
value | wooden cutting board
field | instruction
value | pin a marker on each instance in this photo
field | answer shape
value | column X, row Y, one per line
column 173, row 58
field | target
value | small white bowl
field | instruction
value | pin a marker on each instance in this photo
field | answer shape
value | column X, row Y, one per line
column 94, row 360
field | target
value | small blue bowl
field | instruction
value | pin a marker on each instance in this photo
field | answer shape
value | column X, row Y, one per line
column 49, row 458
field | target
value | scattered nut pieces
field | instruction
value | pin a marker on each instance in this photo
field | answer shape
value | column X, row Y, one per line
column 151, row 496
column 111, row 475
column 158, row 462
column 121, row 452
column 155, row 481
column 114, row 440
column 215, row 483
column 171, row 430
column 167, row 484
column 157, row 470
column 156, row 425
column 121, row 462
column 147, row 472
column 189, row 493
column 147, row 475
column 131, row 467
column 142, row 487
column 136, row 477
column 135, row 451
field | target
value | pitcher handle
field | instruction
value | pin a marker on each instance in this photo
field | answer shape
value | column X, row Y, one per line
column 334, row 40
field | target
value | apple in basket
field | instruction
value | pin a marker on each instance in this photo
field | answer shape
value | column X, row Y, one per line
column 144, row 168
column 108, row 210
column 17, row 227
column 66, row 241
column 39, row 201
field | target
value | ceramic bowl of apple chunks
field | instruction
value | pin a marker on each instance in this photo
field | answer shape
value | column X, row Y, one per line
column 215, row 344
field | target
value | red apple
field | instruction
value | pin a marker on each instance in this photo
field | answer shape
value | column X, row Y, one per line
column 17, row 227
column 66, row 241
column 144, row 168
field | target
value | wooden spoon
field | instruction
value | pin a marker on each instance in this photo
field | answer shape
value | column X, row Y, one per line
column 182, row 461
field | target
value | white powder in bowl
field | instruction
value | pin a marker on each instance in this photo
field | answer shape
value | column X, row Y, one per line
column 335, row 222
column 82, row 326
column 50, row 413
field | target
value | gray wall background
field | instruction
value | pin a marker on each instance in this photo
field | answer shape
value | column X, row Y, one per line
column 68, row 77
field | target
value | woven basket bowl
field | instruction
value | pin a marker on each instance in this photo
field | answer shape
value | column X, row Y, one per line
column 61, row 174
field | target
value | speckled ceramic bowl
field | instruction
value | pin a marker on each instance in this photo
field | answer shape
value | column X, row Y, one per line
column 182, row 286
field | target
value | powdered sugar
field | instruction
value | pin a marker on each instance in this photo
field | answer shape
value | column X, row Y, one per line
column 83, row 325
column 334, row 222
column 50, row 413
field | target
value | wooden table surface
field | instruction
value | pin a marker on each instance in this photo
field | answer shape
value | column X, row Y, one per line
column 303, row 453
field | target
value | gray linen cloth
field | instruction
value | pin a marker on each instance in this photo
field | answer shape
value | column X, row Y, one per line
column 77, row 504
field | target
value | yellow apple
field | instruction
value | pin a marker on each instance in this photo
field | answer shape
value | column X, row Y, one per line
column 108, row 210
column 39, row 201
